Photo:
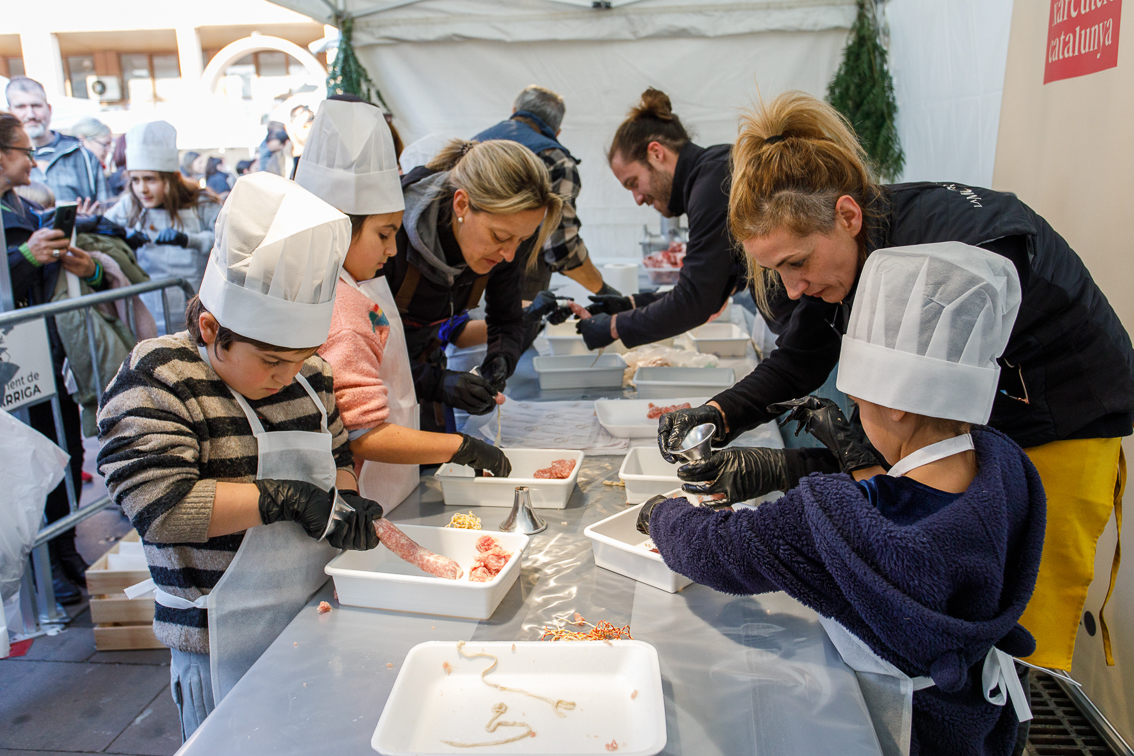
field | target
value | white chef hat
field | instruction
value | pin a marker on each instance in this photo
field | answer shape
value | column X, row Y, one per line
column 272, row 272
column 926, row 327
column 349, row 159
column 152, row 147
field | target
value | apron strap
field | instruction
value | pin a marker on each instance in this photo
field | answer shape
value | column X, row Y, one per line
column 1116, row 562
column 999, row 674
column 407, row 289
column 147, row 587
column 932, row 453
column 477, row 292
column 315, row 398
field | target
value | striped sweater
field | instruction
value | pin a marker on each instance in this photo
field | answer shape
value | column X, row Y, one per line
column 169, row 430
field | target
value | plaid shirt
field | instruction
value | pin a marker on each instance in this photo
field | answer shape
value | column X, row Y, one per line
column 564, row 249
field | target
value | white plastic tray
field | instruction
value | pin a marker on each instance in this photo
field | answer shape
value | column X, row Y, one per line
column 626, row 418
column 617, row 546
column 672, row 382
column 662, row 276
column 378, row 579
column 564, row 340
column 426, row 705
column 580, row 371
column 460, row 488
column 646, row 474
column 721, row 339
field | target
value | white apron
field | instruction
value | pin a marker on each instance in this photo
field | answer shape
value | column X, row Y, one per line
column 887, row 690
column 386, row 483
column 278, row 566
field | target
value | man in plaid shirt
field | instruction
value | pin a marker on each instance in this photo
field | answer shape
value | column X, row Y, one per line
column 536, row 117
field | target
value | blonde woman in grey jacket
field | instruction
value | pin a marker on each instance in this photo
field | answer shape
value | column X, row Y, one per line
column 175, row 216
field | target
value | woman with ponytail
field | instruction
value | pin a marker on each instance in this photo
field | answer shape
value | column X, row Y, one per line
column 808, row 213
column 654, row 158
column 473, row 216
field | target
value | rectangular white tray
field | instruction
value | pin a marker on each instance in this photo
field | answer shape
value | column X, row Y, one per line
column 579, row 371
column 646, row 474
column 626, row 418
column 617, row 546
column 671, row 382
column 564, row 340
column 426, row 705
column 662, row 276
column 460, row 488
column 378, row 579
column 721, row 339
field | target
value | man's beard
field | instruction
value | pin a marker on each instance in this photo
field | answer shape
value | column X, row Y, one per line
column 34, row 130
column 661, row 189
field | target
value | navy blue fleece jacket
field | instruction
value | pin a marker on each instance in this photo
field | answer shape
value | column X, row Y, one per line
column 929, row 594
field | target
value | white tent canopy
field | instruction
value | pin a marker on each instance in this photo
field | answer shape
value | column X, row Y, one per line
column 454, row 67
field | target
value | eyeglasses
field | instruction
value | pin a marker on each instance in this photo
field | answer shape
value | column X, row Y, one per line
column 29, row 151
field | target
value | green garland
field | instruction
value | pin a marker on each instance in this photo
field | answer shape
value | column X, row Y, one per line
column 347, row 74
column 863, row 91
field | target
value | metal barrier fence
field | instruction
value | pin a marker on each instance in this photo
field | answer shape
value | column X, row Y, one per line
column 37, row 597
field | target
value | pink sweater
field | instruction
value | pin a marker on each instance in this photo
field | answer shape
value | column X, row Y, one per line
column 359, row 331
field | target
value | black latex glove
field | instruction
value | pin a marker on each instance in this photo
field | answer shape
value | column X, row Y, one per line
column 643, row 524
column 546, row 305
column 355, row 531
column 465, row 391
column 608, row 290
column 739, row 473
column 494, row 369
column 296, row 501
column 674, row 426
column 480, row 455
column 595, row 331
column 136, row 239
column 823, row 419
column 610, row 304
column 172, row 236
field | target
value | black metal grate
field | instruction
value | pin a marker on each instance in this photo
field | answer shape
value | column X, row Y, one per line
column 1058, row 729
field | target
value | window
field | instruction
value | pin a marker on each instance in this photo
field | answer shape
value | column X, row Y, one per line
column 79, row 67
column 16, row 67
column 271, row 63
column 151, row 78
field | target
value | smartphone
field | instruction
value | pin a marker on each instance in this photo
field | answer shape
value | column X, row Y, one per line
column 65, row 219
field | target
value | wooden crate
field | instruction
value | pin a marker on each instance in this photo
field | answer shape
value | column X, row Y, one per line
column 121, row 623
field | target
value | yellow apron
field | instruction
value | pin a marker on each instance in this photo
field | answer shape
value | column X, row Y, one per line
column 1083, row 480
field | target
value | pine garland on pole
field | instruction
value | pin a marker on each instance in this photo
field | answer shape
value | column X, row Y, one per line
column 347, row 74
column 863, row 91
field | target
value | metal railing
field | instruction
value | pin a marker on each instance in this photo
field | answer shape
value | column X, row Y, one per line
column 38, row 597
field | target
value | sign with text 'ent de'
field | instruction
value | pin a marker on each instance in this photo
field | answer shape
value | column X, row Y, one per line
column 1082, row 38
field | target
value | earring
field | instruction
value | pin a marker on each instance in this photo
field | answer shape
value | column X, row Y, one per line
column 460, row 219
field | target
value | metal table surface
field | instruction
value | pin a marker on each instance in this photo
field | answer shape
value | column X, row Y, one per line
column 741, row 674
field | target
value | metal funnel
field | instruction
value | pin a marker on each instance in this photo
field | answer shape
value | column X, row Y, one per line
column 697, row 443
column 522, row 518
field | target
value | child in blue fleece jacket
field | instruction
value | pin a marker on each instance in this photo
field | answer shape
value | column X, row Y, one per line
column 927, row 568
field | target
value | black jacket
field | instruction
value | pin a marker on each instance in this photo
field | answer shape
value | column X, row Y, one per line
column 1068, row 356
column 712, row 267
column 433, row 305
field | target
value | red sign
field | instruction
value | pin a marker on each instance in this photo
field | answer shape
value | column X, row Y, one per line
column 1082, row 38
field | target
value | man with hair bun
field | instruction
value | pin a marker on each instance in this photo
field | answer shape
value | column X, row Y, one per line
column 653, row 157
column 537, row 115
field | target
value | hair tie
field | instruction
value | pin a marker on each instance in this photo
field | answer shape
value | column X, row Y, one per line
column 775, row 139
column 465, row 148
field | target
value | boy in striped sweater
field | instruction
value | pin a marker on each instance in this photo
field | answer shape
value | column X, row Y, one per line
column 230, row 425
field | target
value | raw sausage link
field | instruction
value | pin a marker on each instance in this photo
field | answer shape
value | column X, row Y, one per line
column 414, row 553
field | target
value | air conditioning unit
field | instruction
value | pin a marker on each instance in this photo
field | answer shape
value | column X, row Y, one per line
column 104, row 88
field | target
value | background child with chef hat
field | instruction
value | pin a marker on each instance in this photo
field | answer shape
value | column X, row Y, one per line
column 350, row 163
column 232, row 424
column 920, row 575
column 174, row 217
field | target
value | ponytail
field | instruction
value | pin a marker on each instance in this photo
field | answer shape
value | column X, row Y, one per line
column 651, row 120
column 793, row 159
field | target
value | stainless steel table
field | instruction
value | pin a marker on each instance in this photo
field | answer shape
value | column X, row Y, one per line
column 741, row 675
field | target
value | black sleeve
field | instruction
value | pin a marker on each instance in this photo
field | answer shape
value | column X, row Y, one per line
column 1015, row 248
column 503, row 312
column 806, row 353
column 23, row 274
column 706, row 278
